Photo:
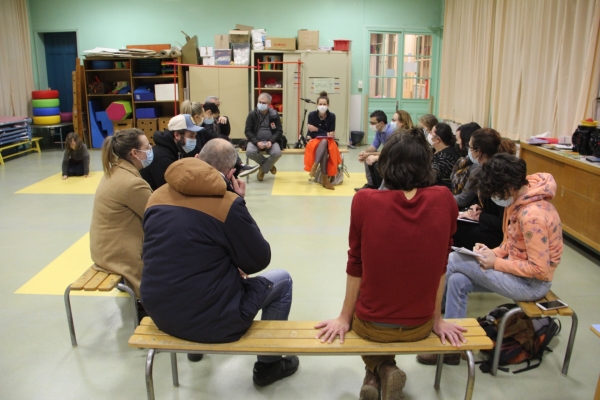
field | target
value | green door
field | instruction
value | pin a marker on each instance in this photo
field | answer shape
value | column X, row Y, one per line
column 400, row 73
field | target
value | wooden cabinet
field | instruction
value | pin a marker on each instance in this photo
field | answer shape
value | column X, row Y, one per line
column 126, row 71
column 316, row 68
column 230, row 84
column 578, row 191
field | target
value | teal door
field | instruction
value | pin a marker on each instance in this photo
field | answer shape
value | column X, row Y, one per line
column 400, row 73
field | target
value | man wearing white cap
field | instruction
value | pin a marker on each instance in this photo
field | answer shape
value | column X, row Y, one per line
column 170, row 146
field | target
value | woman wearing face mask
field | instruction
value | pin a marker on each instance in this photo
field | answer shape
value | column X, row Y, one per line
column 443, row 140
column 486, row 215
column 461, row 172
column 116, row 233
column 427, row 122
column 403, row 120
column 321, row 148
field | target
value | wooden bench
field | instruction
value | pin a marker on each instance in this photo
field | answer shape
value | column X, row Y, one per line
column 298, row 338
column 292, row 151
column 533, row 311
column 93, row 280
column 34, row 146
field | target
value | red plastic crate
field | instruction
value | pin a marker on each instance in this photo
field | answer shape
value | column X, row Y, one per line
column 341, row 45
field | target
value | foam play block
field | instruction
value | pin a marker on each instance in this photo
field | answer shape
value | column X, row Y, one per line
column 119, row 110
column 46, row 111
column 97, row 133
column 44, row 94
column 51, row 120
column 45, row 103
column 105, row 123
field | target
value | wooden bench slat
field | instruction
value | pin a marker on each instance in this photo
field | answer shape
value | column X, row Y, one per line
column 530, row 309
column 95, row 281
column 307, row 346
column 286, row 333
column 83, row 279
column 110, row 282
column 567, row 312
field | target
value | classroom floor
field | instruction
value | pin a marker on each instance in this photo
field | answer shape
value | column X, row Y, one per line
column 44, row 246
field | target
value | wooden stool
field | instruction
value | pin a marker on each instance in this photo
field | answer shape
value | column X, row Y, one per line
column 93, row 280
column 533, row 311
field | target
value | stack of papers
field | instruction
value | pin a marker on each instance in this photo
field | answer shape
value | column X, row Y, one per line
column 125, row 53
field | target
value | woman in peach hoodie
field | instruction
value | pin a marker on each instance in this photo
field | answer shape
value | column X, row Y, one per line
column 522, row 267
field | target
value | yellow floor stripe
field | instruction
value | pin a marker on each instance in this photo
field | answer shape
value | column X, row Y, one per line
column 74, row 185
column 297, row 184
column 63, row 271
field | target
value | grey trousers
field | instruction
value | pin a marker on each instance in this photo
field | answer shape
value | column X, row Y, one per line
column 265, row 163
column 368, row 174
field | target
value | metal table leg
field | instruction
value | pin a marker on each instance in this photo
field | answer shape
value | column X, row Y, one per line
column 174, row 369
column 471, row 377
column 70, row 316
column 574, row 322
column 149, row 380
column 129, row 291
column 438, row 371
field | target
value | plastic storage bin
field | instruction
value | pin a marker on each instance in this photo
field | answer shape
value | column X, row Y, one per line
column 341, row 45
column 222, row 57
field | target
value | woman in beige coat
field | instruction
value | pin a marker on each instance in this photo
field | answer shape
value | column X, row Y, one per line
column 116, row 234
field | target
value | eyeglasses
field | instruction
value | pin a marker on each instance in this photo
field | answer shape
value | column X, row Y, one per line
column 466, row 146
column 372, row 123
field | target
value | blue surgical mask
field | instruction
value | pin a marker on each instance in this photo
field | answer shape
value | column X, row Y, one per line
column 190, row 145
column 209, row 121
column 503, row 203
column 262, row 107
column 149, row 158
column 473, row 159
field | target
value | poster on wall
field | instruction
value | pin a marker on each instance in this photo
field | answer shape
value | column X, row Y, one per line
column 329, row 85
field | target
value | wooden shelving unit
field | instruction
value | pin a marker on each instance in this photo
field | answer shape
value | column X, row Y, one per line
column 111, row 76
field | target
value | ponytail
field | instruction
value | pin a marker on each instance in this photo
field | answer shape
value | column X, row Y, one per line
column 507, row 146
column 118, row 147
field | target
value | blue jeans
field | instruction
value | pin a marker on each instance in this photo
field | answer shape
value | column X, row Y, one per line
column 464, row 275
column 277, row 304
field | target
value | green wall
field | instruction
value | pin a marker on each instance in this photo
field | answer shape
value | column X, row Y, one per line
column 116, row 23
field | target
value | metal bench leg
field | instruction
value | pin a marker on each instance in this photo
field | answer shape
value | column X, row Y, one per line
column 136, row 317
column 174, row 369
column 500, row 339
column 70, row 316
column 471, row 377
column 149, row 380
column 247, row 176
column 567, row 361
column 438, row 371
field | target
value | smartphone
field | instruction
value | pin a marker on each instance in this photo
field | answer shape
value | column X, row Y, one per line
column 551, row 305
column 593, row 159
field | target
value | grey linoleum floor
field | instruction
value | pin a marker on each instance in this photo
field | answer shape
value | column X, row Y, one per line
column 308, row 236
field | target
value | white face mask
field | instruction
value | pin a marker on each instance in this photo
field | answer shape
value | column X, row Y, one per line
column 373, row 128
column 322, row 109
column 473, row 159
column 262, row 107
column 503, row 203
column 430, row 139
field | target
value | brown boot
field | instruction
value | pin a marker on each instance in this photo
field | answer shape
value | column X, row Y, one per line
column 261, row 174
column 431, row 359
column 273, row 170
column 313, row 170
column 370, row 387
column 392, row 381
column 326, row 183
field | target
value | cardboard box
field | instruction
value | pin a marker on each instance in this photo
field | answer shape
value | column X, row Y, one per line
column 206, row 51
column 277, row 43
column 308, row 40
column 208, row 61
column 237, row 36
column 221, row 41
column 244, row 27
column 166, row 91
column 163, row 123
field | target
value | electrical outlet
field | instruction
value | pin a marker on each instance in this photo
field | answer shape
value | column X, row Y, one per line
column 360, row 84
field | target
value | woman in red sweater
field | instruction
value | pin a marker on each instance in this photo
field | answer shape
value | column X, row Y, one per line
column 399, row 238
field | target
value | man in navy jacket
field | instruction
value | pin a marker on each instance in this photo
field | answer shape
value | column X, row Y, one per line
column 195, row 282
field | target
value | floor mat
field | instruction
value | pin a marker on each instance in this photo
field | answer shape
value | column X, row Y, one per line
column 297, row 184
column 74, row 185
column 63, row 271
